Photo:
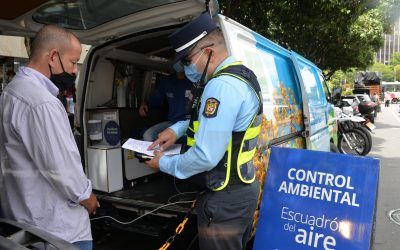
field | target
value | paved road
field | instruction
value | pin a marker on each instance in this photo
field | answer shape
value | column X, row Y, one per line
column 386, row 147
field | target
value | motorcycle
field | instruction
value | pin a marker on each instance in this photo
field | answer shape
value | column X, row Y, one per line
column 354, row 134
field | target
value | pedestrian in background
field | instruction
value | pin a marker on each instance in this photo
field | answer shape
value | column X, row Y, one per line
column 375, row 99
column 43, row 180
column 387, row 99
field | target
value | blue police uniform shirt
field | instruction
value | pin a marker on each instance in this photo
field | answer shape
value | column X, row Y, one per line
column 176, row 92
column 238, row 104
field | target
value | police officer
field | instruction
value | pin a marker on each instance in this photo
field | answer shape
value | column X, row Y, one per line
column 221, row 136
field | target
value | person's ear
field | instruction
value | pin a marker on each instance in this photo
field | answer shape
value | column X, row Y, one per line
column 209, row 51
column 52, row 57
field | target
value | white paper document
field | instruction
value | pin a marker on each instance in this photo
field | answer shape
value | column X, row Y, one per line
column 141, row 147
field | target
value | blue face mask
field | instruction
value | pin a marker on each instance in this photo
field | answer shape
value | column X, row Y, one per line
column 191, row 71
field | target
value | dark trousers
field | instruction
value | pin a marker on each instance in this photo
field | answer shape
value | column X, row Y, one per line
column 71, row 118
column 387, row 103
column 225, row 218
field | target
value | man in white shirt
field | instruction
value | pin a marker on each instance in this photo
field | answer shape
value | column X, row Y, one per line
column 43, row 183
column 387, row 99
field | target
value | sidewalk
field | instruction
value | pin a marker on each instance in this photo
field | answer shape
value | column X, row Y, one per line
column 387, row 132
column 386, row 147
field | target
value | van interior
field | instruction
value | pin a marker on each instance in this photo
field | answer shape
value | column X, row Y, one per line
column 120, row 75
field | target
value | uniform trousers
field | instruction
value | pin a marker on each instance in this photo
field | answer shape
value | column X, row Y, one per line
column 225, row 218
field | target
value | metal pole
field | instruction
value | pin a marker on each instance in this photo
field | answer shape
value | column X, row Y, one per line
column 389, row 46
column 384, row 42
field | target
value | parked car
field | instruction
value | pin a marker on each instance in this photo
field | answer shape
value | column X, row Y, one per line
column 394, row 97
column 361, row 105
column 130, row 52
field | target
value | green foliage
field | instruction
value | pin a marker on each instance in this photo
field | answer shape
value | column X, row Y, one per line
column 395, row 59
column 396, row 70
column 386, row 72
column 343, row 79
column 391, row 10
column 389, row 73
column 334, row 34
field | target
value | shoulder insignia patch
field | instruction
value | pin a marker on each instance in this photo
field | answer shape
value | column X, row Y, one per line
column 211, row 108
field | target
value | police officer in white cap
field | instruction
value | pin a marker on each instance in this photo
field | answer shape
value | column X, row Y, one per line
column 221, row 136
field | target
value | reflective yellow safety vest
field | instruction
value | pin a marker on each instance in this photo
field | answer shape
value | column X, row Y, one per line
column 236, row 166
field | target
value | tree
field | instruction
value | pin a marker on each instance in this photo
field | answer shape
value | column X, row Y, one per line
column 386, row 72
column 395, row 59
column 396, row 71
column 343, row 78
column 390, row 10
column 333, row 34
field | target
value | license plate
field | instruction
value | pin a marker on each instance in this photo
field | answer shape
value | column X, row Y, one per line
column 370, row 126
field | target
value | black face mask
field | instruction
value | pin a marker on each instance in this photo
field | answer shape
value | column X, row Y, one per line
column 63, row 80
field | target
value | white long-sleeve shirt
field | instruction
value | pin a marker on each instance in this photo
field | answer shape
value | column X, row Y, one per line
column 41, row 171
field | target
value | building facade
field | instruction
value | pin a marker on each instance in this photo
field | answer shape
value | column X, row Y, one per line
column 391, row 45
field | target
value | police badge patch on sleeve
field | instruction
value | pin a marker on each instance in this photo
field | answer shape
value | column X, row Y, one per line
column 211, row 108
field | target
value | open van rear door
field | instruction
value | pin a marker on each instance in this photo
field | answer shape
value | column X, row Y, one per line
column 315, row 105
column 97, row 21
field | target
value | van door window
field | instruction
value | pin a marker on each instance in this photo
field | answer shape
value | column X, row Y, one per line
column 325, row 86
column 315, row 95
column 313, row 90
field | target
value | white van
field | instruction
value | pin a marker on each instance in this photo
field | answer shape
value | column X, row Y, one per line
column 130, row 52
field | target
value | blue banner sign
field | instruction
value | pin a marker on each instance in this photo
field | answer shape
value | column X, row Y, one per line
column 317, row 200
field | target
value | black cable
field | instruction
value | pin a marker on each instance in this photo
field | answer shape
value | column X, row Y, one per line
column 182, row 194
column 134, row 220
